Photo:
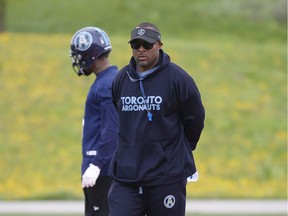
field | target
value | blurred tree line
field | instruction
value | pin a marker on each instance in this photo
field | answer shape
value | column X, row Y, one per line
column 279, row 11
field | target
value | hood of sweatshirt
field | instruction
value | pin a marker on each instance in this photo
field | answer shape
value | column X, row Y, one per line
column 163, row 61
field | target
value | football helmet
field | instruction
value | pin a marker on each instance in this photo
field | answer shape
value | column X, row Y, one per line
column 86, row 45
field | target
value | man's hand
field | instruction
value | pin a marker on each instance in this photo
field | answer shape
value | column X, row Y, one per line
column 90, row 176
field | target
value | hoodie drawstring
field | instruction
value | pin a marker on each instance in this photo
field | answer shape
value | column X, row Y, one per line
column 149, row 114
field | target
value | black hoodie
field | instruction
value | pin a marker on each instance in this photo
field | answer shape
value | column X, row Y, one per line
column 157, row 150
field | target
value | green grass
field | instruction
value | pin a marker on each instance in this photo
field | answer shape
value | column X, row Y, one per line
column 241, row 73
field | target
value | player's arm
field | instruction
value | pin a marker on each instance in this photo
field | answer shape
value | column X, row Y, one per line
column 193, row 113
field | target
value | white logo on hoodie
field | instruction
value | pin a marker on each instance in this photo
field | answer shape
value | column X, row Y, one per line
column 140, row 104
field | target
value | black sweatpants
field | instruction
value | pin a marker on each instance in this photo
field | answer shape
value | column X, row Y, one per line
column 96, row 203
column 168, row 200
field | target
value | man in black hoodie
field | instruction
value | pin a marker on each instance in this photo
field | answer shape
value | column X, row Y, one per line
column 161, row 118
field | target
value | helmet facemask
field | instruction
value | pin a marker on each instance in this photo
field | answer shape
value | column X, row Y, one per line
column 77, row 64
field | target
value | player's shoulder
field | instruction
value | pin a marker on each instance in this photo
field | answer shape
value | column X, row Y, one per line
column 178, row 72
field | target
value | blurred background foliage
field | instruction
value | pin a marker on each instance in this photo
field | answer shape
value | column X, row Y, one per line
column 176, row 18
column 235, row 50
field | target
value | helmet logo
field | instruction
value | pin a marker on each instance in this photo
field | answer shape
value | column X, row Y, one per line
column 83, row 41
column 141, row 32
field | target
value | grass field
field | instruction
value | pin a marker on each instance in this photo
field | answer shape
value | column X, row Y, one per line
column 241, row 73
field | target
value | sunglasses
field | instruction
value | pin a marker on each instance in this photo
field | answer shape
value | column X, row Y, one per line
column 137, row 44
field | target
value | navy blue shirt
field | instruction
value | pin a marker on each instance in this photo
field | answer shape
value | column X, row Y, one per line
column 100, row 123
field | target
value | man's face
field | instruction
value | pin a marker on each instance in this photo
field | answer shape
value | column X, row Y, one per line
column 145, row 54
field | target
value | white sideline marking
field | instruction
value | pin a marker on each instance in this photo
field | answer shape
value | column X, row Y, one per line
column 193, row 206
